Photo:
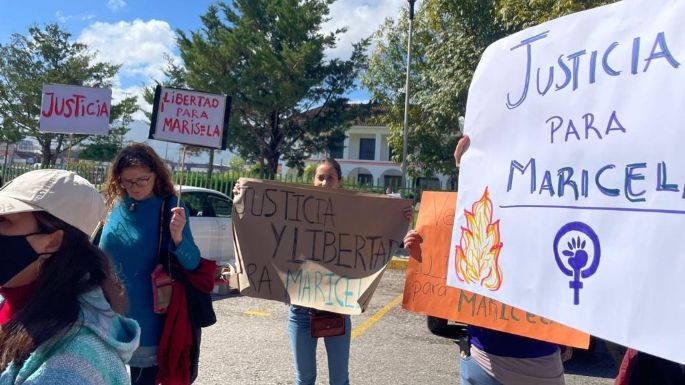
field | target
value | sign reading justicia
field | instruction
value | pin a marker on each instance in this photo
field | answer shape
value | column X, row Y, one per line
column 68, row 109
column 572, row 194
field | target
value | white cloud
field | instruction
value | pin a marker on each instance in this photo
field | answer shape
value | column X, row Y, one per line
column 139, row 47
column 119, row 93
column 116, row 5
column 362, row 18
column 63, row 19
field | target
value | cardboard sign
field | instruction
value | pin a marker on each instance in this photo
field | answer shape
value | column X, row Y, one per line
column 75, row 110
column 572, row 204
column 426, row 290
column 315, row 247
column 190, row 117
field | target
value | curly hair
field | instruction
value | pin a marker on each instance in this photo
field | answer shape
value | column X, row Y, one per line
column 137, row 155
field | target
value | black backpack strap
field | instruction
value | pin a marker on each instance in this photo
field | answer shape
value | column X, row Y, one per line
column 163, row 254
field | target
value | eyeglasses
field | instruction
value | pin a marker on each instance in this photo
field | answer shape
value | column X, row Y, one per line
column 138, row 182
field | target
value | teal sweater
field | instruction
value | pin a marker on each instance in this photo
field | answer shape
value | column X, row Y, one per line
column 93, row 352
column 130, row 238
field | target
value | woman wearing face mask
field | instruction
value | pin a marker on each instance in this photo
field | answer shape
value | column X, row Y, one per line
column 137, row 186
column 328, row 175
column 56, row 324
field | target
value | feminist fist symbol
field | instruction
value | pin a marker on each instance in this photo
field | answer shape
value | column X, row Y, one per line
column 577, row 255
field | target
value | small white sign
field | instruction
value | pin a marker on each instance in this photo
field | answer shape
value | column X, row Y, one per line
column 75, row 110
column 190, row 117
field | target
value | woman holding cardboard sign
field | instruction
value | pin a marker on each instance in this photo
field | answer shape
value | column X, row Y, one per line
column 303, row 322
column 492, row 357
column 306, row 325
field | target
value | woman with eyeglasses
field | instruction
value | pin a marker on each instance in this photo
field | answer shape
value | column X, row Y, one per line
column 137, row 185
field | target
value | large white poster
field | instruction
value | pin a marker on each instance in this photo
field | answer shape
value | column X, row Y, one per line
column 572, row 198
column 69, row 109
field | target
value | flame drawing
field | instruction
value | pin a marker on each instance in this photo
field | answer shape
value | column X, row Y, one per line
column 477, row 255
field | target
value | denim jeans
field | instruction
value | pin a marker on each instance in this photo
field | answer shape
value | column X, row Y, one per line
column 472, row 374
column 303, row 346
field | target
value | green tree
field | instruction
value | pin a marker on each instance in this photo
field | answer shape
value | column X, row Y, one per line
column 104, row 148
column 449, row 39
column 9, row 135
column 269, row 55
column 44, row 56
column 309, row 172
column 236, row 164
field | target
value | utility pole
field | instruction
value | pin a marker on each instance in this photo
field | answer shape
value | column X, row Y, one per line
column 406, row 94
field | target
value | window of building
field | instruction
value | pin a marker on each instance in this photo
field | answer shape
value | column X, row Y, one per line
column 365, row 179
column 393, row 181
column 367, row 148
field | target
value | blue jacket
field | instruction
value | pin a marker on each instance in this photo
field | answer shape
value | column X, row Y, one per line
column 130, row 239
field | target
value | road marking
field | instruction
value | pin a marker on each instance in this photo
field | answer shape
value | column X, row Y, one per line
column 398, row 263
column 356, row 332
column 258, row 313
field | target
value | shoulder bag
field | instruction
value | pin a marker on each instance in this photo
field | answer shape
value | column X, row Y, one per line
column 326, row 324
column 162, row 283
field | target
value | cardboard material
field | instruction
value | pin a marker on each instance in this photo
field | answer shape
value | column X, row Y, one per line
column 315, row 247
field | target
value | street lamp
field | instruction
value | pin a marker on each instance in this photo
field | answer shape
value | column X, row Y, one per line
column 406, row 94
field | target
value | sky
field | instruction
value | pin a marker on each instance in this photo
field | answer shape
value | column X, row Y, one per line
column 137, row 34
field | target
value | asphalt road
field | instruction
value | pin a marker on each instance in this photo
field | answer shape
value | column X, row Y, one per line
column 249, row 345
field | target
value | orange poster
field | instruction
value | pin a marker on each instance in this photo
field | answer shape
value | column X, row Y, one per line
column 426, row 292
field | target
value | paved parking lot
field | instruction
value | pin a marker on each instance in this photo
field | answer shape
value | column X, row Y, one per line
column 249, row 345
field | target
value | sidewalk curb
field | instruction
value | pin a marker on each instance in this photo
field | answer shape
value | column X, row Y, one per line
column 398, row 263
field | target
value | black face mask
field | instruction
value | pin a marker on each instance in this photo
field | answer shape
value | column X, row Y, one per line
column 16, row 255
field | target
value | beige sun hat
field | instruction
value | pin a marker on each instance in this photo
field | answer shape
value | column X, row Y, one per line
column 64, row 194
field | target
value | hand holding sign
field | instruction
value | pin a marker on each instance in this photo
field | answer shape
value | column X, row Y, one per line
column 178, row 222
column 461, row 148
column 412, row 243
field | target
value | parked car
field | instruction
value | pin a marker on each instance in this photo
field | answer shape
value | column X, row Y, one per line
column 210, row 222
column 436, row 325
